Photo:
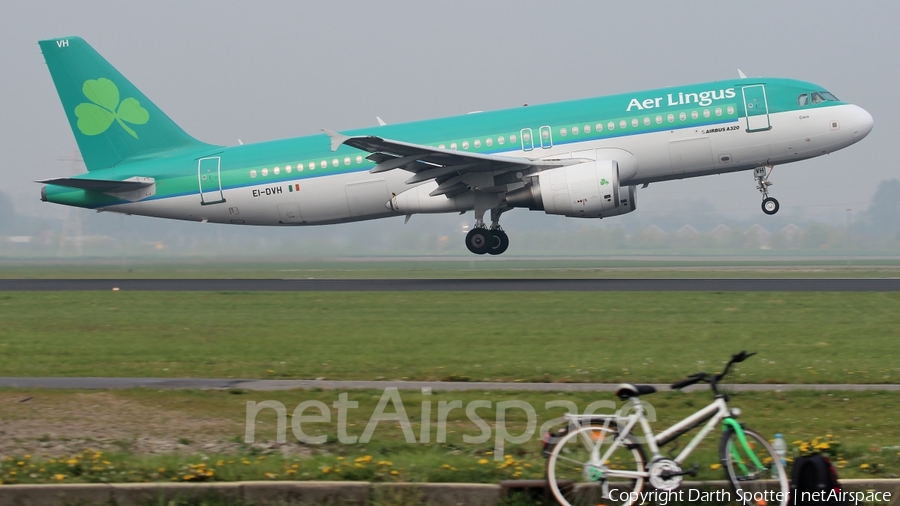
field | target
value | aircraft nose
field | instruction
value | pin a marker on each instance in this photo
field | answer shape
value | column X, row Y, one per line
column 862, row 122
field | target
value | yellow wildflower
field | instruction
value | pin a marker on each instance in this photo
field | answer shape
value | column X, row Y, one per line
column 326, row 469
column 483, row 461
column 864, row 466
column 395, row 473
column 715, row 466
column 271, row 476
column 59, row 477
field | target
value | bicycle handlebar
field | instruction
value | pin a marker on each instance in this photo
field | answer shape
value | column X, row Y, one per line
column 712, row 379
column 688, row 382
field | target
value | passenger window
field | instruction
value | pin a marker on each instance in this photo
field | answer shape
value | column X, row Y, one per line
column 817, row 98
column 803, row 99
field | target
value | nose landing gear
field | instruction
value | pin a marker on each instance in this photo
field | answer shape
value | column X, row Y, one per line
column 761, row 175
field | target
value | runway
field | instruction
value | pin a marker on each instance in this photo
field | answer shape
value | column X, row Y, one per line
column 270, row 385
column 458, row 285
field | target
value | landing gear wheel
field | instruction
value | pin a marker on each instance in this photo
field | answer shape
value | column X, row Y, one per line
column 479, row 240
column 499, row 242
column 770, row 206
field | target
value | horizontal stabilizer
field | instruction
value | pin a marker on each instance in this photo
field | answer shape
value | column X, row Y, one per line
column 132, row 189
column 101, row 185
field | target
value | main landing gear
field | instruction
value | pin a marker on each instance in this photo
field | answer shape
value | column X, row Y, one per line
column 481, row 240
column 761, row 175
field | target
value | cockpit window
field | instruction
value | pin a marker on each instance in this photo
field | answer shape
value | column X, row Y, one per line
column 830, row 97
column 817, row 97
column 803, row 99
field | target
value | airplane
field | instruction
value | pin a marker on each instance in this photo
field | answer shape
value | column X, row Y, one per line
column 582, row 158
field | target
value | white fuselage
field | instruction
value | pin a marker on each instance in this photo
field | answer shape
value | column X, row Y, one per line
column 642, row 158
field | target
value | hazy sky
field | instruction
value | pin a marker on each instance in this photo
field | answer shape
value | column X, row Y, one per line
column 265, row 70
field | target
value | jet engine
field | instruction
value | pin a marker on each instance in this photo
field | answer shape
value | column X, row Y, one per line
column 586, row 190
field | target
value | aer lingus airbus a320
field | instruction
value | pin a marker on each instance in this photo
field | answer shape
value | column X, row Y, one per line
column 582, row 159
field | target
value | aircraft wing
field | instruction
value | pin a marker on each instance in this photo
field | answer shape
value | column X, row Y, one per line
column 449, row 167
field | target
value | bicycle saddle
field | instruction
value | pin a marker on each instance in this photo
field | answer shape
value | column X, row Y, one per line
column 628, row 390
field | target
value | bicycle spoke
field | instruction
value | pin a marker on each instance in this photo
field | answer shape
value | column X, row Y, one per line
column 567, row 459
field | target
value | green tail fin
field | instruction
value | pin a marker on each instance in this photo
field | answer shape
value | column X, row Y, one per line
column 113, row 121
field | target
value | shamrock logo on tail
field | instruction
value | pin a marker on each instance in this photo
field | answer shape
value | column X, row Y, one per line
column 603, row 182
column 96, row 117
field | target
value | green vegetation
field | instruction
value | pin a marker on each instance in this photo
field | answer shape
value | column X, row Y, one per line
column 859, row 426
column 454, row 336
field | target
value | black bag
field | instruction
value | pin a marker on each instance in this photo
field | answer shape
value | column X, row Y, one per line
column 814, row 481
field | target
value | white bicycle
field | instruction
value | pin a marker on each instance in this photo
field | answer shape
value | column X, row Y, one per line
column 597, row 459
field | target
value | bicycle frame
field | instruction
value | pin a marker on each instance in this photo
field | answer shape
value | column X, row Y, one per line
column 712, row 414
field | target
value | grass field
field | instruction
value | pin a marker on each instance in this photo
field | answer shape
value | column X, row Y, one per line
column 504, row 336
column 103, row 436
column 475, row 267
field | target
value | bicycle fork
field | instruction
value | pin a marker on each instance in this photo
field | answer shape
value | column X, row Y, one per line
column 731, row 423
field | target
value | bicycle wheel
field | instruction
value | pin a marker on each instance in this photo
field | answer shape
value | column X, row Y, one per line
column 755, row 471
column 577, row 476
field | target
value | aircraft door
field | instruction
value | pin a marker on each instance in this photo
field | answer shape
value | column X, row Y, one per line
column 527, row 139
column 546, row 137
column 756, row 108
column 208, row 176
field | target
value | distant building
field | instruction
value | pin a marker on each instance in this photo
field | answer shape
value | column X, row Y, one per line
column 720, row 231
column 687, row 232
column 758, row 235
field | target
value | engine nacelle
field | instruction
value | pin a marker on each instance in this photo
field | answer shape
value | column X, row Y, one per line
column 586, row 190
